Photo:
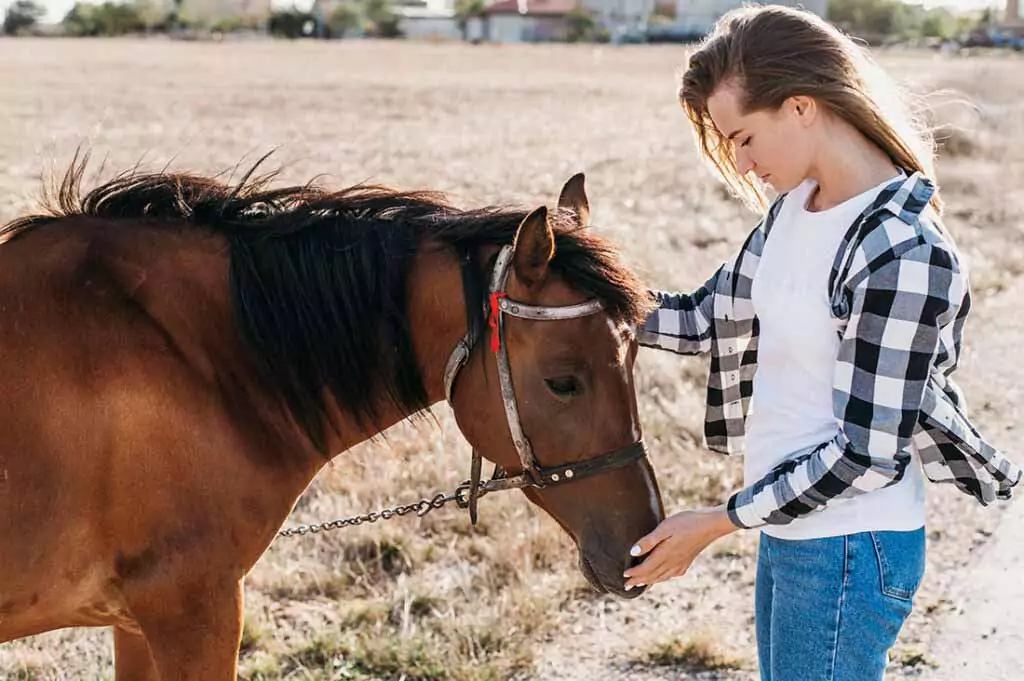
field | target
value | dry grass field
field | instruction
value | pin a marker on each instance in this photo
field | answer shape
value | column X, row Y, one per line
column 433, row 598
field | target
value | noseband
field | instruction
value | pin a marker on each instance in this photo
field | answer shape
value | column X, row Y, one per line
column 533, row 475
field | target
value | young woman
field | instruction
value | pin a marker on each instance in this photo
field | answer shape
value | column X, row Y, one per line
column 833, row 334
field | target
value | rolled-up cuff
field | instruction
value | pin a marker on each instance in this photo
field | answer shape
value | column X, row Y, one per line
column 739, row 517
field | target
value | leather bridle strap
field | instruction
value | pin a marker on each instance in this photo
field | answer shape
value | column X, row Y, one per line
column 533, row 474
column 571, row 472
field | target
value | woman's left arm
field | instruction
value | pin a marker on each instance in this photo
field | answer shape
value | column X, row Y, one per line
column 900, row 312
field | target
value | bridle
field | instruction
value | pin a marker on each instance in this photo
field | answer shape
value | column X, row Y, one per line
column 533, row 474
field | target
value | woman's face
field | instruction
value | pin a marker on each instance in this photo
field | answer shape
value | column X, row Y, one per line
column 777, row 147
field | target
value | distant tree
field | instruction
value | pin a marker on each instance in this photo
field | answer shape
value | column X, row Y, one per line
column 874, row 20
column 22, row 16
column 466, row 10
column 381, row 20
column 342, row 19
column 290, row 23
column 174, row 16
column 151, row 12
column 234, row 23
column 119, row 18
column 108, row 19
column 580, row 25
column 964, row 23
column 78, row 22
column 939, row 23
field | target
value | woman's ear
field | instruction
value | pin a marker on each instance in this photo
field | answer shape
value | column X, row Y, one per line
column 805, row 108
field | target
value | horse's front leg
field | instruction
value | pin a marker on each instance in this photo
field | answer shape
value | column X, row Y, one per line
column 193, row 631
column 132, row 659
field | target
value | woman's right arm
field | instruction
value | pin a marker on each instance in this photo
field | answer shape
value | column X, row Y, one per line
column 683, row 322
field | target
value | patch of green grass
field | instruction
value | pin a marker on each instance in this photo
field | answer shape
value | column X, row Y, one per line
column 378, row 558
column 431, row 648
column 260, row 666
column 254, row 635
column 27, row 673
column 370, row 657
column 364, row 613
column 697, row 653
column 357, row 567
column 332, row 585
column 416, row 607
column 319, row 652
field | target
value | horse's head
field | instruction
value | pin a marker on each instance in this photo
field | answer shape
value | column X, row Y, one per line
column 570, row 378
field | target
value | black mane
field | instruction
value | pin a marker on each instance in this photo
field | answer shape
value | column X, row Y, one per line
column 318, row 277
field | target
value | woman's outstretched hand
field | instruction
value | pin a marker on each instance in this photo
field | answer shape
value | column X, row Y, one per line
column 673, row 545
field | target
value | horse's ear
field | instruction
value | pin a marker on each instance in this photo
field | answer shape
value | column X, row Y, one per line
column 534, row 247
column 574, row 197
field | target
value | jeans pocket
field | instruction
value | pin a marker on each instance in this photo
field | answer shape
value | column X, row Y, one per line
column 901, row 560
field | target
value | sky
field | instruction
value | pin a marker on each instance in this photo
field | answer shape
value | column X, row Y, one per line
column 56, row 9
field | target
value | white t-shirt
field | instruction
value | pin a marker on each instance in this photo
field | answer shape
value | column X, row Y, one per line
column 791, row 409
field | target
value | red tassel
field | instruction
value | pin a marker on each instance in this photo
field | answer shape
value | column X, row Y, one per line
column 493, row 321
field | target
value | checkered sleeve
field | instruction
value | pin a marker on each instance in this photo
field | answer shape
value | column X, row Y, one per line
column 898, row 311
column 682, row 322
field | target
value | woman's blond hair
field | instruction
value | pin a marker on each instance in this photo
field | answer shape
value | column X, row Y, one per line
column 773, row 53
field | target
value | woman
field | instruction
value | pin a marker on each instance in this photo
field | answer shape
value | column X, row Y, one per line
column 833, row 334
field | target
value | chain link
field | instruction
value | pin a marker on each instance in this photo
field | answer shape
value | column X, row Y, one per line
column 422, row 507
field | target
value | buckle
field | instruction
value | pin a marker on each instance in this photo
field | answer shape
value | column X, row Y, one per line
column 463, row 494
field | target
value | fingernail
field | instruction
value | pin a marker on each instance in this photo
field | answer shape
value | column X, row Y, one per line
column 635, row 551
column 641, row 584
column 629, row 587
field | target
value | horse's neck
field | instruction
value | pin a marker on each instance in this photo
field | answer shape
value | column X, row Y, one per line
column 436, row 313
column 437, row 319
column 181, row 278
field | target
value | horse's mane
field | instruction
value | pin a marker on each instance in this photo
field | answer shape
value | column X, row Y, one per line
column 318, row 276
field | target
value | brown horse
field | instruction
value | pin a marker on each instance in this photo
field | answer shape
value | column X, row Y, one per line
column 179, row 357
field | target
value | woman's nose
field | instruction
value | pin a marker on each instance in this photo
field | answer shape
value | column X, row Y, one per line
column 744, row 164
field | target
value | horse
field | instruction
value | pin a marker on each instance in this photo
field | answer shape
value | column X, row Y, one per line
column 180, row 356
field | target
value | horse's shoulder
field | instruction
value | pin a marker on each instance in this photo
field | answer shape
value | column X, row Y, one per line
column 109, row 292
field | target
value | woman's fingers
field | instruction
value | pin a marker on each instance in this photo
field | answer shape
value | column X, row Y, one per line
column 643, row 573
column 647, row 543
column 661, row 565
column 672, row 569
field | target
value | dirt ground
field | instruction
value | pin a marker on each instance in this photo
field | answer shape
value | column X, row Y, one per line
column 508, row 124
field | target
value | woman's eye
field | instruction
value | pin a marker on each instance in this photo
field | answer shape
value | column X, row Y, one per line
column 746, row 142
column 564, row 386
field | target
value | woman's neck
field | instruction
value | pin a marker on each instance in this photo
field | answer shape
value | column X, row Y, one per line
column 847, row 165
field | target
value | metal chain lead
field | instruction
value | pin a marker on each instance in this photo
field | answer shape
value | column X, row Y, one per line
column 470, row 490
column 421, row 508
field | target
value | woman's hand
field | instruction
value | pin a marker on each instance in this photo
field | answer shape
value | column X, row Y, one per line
column 675, row 543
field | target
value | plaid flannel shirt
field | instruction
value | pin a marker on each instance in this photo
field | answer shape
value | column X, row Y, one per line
column 901, row 298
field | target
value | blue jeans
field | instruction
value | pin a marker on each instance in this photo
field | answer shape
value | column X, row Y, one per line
column 830, row 609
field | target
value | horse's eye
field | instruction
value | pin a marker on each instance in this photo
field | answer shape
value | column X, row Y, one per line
column 563, row 386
